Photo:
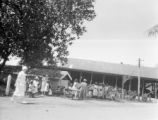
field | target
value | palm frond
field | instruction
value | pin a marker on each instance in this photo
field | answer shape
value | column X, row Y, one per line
column 153, row 31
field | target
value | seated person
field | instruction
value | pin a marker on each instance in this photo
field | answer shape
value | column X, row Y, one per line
column 31, row 89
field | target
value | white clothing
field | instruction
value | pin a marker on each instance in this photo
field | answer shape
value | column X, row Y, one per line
column 44, row 80
column 46, row 87
column 95, row 90
column 100, row 91
column 35, row 83
column 20, row 84
column 74, row 87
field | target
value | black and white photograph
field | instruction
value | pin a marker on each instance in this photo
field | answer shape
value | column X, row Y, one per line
column 79, row 60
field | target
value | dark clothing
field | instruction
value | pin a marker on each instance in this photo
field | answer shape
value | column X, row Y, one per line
column 83, row 90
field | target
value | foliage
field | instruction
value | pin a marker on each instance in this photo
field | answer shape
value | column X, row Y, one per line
column 41, row 30
column 153, row 31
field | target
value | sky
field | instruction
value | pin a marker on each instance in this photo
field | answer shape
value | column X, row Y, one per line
column 119, row 33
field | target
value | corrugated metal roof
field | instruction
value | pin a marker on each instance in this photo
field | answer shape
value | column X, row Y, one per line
column 110, row 68
column 57, row 74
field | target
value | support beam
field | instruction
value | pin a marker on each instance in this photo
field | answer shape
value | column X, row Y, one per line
column 80, row 77
column 143, row 83
column 122, row 86
column 91, row 78
column 155, row 90
column 116, row 81
column 153, row 87
column 103, row 79
column 130, row 82
column 138, row 87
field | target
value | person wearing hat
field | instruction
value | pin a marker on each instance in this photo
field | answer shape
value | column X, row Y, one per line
column 83, row 89
column 20, row 85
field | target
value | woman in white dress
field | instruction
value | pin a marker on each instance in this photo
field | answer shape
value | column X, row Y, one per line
column 75, row 88
column 20, row 85
column 46, row 89
column 44, row 81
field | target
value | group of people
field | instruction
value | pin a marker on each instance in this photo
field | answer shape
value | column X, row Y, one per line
column 103, row 91
column 32, row 87
column 83, row 90
column 35, row 86
column 106, row 91
column 79, row 90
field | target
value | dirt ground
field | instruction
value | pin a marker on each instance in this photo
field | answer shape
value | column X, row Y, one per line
column 57, row 108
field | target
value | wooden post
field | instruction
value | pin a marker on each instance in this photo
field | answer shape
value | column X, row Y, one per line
column 138, row 85
column 80, row 77
column 142, row 87
column 122, row 86
column 116, row 82
column 153, row 87
column 103, row 79
column 129, row 84
column 139, row 60
column 155, row 90
column 91, row 78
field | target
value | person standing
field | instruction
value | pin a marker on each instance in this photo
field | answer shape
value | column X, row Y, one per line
column 46, row 89
column 44, row 81
column 83, row 89
column 75, row 88
column 20, row 85
column 36, row 84
column 8, row 85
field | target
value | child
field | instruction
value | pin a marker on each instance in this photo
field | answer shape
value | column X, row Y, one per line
column 36, row 85
column 31, row 89
column 95, row 90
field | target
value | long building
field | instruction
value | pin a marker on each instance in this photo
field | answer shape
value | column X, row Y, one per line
column 118, row 75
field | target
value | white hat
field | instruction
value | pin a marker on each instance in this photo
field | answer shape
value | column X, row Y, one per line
column 36, row 77
column 24, row 68
column 84, row 80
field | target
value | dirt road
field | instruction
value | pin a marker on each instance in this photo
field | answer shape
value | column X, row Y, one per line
column 57, row 108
